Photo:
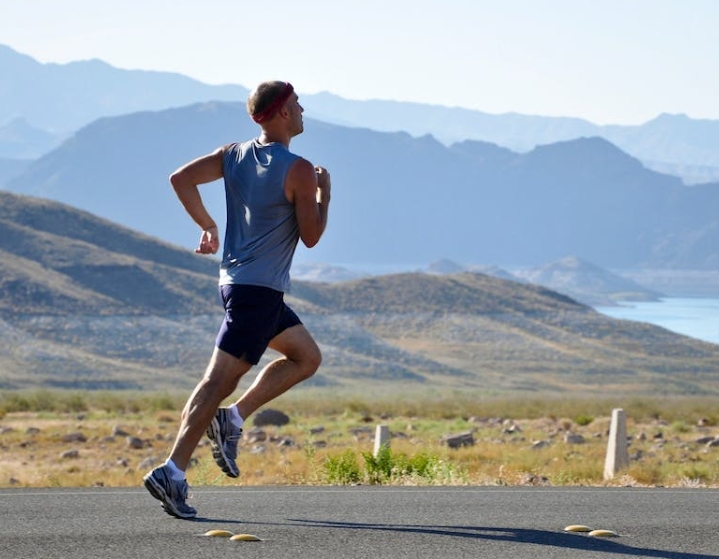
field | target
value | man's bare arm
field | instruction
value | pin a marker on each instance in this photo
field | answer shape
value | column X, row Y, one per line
column 308, row 188
column 185, row 180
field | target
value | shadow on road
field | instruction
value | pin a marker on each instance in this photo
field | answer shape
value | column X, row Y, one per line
column 518, row 535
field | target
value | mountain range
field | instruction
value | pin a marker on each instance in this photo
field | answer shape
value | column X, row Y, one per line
column 43, row 104
column 58, row 99
column 87, row 303
column 671, row 143
column 501, row 209
column 399, row 199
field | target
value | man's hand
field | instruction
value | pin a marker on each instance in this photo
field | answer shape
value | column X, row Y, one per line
column 209, row 241
column 324, row 185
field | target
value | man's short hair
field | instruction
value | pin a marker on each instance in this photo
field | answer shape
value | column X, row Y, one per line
column 267, row 98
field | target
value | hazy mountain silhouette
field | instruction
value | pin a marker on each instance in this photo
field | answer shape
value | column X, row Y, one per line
column 448, row 124
column 61, row 98
column 586, row 282
column 20, row 140
column 399, row 199
column 686, row 147
column 10, row 168
column 58, row 99
column 118, row 167
column 572, row 276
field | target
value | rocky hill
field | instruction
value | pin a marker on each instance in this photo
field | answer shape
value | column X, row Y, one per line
column 85, row 303
column 58, row 260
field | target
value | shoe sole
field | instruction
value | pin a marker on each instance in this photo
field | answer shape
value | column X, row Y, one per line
column 218, row 453
column 158, row 492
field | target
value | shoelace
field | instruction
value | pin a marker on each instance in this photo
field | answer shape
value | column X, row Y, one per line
column 231, row 444
column 184, row 491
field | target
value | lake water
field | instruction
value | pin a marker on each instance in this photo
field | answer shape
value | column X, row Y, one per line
column 698, row 318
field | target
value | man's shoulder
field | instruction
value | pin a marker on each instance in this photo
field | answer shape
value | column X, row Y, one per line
column 300, row 164
column 235, row 146
column 301, row 174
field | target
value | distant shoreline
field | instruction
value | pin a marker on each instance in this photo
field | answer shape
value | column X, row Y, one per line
column 697, row 317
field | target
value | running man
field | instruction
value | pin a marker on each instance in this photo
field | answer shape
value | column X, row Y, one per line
column 274, row 199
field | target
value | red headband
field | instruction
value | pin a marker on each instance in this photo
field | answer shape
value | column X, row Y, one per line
column 272, row 108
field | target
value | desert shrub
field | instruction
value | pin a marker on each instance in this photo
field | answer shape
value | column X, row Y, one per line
column 583, row 420
column 342, row 469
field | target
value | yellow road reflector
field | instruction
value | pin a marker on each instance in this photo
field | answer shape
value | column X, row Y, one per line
column 245, row 538
column 603, row 534
column 218, row 533
column 577, row 528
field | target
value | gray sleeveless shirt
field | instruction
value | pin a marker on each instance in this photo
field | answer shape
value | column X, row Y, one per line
column 262, row 231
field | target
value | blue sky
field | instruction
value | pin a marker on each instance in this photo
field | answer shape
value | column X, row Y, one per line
column 609, row 61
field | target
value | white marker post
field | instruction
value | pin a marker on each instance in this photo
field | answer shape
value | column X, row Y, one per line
column 381, row 438
column 617, row 448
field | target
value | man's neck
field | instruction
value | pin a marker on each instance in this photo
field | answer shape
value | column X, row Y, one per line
column 270, row 138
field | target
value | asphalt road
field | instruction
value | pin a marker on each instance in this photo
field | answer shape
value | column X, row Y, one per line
column 363, row 522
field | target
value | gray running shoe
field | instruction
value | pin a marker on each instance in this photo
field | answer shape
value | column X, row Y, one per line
column 171, row 493
column 224, row 436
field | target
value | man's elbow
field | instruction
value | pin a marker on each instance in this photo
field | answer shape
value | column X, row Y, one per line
column 180, row 180
column 311, row 235
column 175, row 180
column 310, row 241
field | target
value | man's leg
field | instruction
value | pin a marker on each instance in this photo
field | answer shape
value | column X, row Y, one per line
column 301, row 359
column 220, row 380
column 167, row 483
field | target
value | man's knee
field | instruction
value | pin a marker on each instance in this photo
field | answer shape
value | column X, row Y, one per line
column 297, row 345
column 312, row 362
column 225, row 370
column 307, row 360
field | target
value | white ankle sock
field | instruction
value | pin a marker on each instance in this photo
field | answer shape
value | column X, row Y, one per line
column 175, row 473
column 237, row 421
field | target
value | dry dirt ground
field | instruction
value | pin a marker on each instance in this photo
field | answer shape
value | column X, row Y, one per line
column 81, row 451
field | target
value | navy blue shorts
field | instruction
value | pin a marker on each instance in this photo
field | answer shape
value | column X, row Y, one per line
column 253, row 316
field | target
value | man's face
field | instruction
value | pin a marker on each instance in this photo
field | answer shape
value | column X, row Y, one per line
column 295, row 111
